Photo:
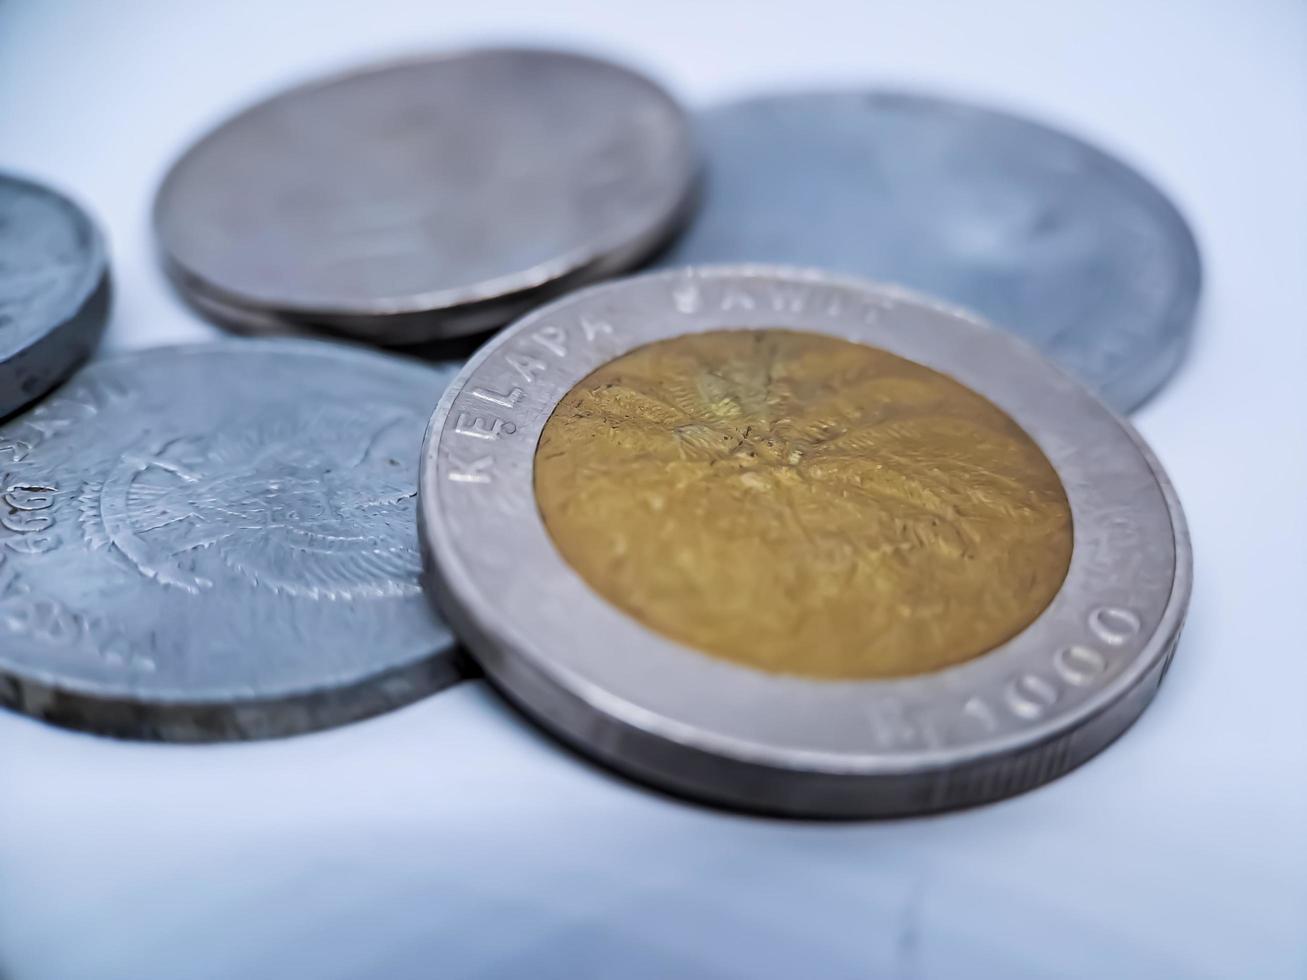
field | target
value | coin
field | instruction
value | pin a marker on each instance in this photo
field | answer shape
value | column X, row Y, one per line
column 790, row 542
column 426, row 198
column 219, row 541
column 762, row 495
column 1033, row 229
column 54, row 289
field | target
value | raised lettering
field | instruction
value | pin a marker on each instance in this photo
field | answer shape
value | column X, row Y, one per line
column 592, row 327
column 24, row 497
column 1114, row 624
column 528, row 367
column 1029, row 696
column 26, row 521
column 552, row 339
column 1078, row 665
column 495, row 398
column 686, row 298
column 735, row 298
column 477, row 471
column 15, row 449
column 978, row 709
column 479, row 427
column 789, row 299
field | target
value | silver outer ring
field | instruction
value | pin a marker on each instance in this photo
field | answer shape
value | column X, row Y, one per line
column 444, row 313
column 1026, row 712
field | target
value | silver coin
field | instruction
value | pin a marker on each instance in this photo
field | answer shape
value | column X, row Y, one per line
column 426, row 198
column 54, row 290
column 1022, row 713
column 249, row 323
column 218, row 541
column 1033, row 229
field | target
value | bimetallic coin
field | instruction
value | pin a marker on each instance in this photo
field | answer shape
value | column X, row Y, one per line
column 218, row 541
column 1037, row 231
column 54, row 290
column 794, row 543
column 426, row 198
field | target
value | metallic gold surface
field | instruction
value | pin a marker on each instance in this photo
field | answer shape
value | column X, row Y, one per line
column 803, row 505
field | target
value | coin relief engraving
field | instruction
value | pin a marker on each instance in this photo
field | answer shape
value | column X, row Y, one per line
column 693, row 298
column 802, row 504
column 1035, row 230
column 229, row 549
column 270, row 500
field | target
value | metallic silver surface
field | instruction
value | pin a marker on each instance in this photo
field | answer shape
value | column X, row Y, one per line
column 54, row 289
column 218, row 541
column 1035, row 230
column 1018, row 716
column 426, row 198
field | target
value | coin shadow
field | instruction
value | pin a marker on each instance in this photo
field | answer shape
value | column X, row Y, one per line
column 471, row 671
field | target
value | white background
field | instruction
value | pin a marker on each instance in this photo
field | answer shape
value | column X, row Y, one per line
column 452, row 839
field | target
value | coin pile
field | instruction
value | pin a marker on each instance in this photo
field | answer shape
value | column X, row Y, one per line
column 759, row 533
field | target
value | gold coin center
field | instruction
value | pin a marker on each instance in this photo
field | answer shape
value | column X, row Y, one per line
column 803, row 505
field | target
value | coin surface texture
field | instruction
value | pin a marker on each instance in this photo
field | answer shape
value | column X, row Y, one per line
column 54, row 290
column 878, row 470
column 802, row 504
column 218, row 541
column 1035, row 230
column 426, row 198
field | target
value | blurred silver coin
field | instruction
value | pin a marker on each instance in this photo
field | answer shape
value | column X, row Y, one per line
column 1024, row 712
column 426, row 198
column 1035, row 230
column 54, row 289
column 218, row 541
column 248, row 323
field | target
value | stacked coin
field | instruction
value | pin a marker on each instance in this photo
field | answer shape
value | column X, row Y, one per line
column 767, row 537
column 428, row 198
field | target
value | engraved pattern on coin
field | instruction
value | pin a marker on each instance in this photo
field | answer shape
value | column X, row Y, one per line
column 802, row 504
column 288, row 502
column 219, row 541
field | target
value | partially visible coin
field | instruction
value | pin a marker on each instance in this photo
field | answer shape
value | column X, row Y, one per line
column 218, row 541
column 1034, row 229
column 427, row 198
column 794, row 543
column 54, row 289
